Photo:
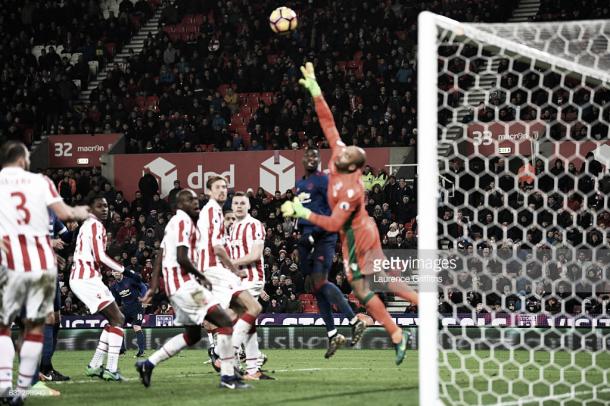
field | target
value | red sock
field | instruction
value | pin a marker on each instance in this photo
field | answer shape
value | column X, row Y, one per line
column 376, row 309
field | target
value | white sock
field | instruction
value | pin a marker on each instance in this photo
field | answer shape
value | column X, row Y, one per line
column 115, row 342
column 101, row 350
column 29, row 357
column 332, row 332
column 169, row 349
column 211, row 340
column 252, row 353
column 224, row 349
column 241, row 329
column 6, row 361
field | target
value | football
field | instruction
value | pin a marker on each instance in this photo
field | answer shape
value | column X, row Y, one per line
column 283, row 20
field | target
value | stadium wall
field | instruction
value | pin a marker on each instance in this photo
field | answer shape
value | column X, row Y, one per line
column 271, row 170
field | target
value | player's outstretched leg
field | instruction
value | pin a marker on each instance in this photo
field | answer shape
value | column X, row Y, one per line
column 116, row 320
column 253, row 371
column 7, row 350
column 224, row 349
column 375, row 307
column 191, row 336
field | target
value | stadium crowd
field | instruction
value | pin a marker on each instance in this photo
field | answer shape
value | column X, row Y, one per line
column 225, row 84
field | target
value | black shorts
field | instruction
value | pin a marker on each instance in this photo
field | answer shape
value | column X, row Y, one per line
column 135, row 317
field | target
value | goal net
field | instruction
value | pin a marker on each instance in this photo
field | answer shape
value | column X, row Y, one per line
column 515, row 117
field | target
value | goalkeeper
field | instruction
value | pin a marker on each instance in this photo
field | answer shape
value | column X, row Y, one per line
column 358, row 233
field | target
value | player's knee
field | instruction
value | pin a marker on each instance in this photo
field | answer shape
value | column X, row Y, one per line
column 192, row 335
column 256, row 308
column 50, row 319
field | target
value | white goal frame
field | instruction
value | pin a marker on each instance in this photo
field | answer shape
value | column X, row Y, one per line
column 428, row 170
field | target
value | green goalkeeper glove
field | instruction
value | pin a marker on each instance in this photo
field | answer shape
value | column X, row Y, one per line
column 295, row 209
column 309, row 80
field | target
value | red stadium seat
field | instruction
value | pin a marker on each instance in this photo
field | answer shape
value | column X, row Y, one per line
column 306, row 297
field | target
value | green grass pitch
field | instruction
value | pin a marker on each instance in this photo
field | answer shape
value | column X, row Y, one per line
column 356, row 377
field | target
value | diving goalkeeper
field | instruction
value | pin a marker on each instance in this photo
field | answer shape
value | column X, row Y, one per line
column 358, row 233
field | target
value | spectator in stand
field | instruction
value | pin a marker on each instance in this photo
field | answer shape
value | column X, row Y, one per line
column 293, row 305
column 126, row 231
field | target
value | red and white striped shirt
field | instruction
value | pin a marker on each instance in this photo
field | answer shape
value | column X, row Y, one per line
column 246, row 233
column 24, row 220
column 90, row 253
column 211, row 228
column 179, row 232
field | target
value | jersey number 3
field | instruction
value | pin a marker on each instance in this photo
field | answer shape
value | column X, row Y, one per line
column 25, row 218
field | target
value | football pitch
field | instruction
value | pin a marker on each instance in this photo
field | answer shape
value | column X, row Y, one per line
column 352, row 377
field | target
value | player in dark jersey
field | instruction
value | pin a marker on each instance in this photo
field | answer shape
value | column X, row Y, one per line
column 127, row 291
column 316, row 251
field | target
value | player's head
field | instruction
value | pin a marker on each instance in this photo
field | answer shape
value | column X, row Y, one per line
column 98, row 206
column 240, row 205
column 229, row 218
column 15, row 153
column 350, row 159
column 117, row 275
column 217, row 185
column 186, row 200
column 311, row 159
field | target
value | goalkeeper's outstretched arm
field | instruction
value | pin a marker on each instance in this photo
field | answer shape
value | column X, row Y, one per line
column 327, row 122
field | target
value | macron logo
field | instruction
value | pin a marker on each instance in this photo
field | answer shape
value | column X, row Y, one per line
column 165, row 172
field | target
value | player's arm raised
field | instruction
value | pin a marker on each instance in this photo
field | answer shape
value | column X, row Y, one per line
column 332, row 223
column 327, row 122
column 182, row 255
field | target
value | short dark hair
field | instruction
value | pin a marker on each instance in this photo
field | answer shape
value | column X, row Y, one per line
column 213, row 180
column 239, row 194
column 92, row 199
column 12, row 151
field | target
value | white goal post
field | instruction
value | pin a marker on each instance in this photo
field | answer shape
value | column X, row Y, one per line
column 527, row 77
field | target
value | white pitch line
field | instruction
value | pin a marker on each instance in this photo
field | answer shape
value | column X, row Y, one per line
column 568, row 395
column 208, row 373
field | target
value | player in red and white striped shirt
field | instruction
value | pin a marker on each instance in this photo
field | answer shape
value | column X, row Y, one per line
column 192, row 302
column 28, row 268
column 86, row 283
column 247, row 242
column 217, row 266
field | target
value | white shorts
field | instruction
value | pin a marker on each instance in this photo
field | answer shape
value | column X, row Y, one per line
column 34, row 291
column 253, row 287
column 191, row 303
column 92, row 292
column 225, row 284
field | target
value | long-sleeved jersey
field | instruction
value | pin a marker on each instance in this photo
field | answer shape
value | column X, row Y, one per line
column 24, row 220
column 358, row 232
column 312, row 192
column 90, row 253
column 129, row 290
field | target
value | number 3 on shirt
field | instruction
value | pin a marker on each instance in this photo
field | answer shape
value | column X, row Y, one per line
column 21, row 207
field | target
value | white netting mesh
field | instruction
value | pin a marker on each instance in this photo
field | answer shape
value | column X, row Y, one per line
column 524, row 164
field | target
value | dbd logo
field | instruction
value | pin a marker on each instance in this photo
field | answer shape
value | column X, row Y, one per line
column 167, row 173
